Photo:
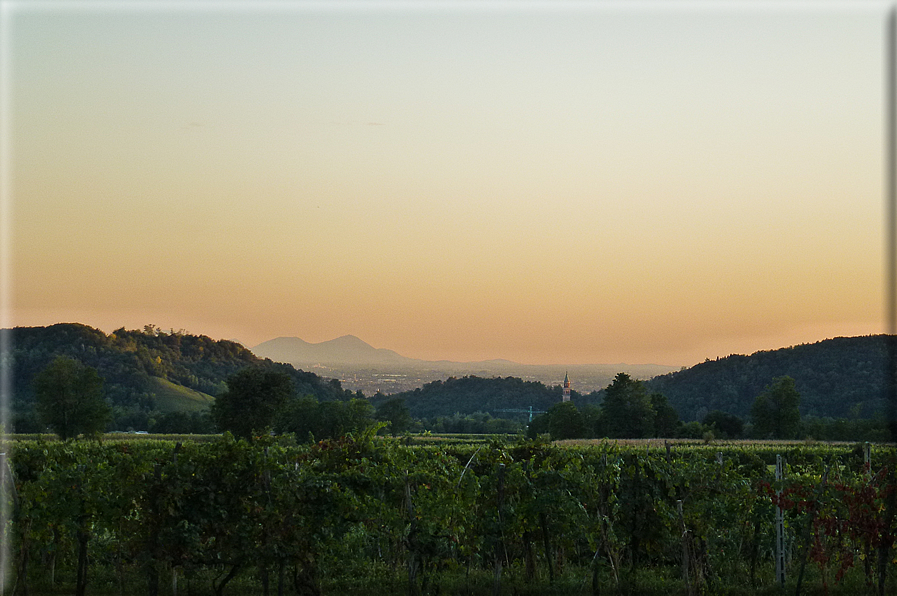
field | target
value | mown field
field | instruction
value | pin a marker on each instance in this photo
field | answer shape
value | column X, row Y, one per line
column 442, row 515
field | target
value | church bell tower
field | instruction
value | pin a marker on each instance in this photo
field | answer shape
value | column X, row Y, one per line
column 566, row 394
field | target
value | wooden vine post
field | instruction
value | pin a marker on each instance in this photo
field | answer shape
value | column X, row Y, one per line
column 4, row 513
column 685, row 553
column 867, row 459
column 499, row 544
column 413, row 561
column 780, row 527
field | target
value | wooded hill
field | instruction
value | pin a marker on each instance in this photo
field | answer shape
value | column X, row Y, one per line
column 838, row 378
column 470, row 394
column 150, row 372
column 147, row 373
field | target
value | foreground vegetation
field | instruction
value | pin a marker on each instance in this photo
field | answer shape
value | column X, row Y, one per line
column 366, row 516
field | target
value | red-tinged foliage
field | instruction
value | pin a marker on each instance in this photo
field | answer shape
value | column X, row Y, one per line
column 240, row 509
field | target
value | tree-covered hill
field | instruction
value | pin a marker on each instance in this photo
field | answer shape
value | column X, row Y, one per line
column 470, row 394
column 146, row 372
column 836, row 378
column 839, row 378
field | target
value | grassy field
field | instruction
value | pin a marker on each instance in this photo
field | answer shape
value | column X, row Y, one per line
column 177, row 398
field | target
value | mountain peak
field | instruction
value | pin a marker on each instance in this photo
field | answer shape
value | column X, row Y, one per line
column 348, row 340
column 347, row 349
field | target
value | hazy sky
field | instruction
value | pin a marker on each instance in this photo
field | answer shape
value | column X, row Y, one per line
column 548, row 183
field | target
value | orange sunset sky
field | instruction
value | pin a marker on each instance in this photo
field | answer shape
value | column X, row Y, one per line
column 570, row 182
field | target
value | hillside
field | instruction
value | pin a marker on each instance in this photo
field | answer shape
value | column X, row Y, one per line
column 837, row 378
column 150, row 372
column 146, row 373
column 171, row 397
column 467, row 395
column 840, row 378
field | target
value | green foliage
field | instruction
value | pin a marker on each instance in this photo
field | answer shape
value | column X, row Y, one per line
column 724, row 425
column 592, row 424
column 253, row 399
column 70, row 398
column 480, row 423
column 171, row 397
column 185, row 423
column 692, row 430
column 565, row 422
column 837, row 378
column 666, row 419
column 626, row 410
column 775, row 412
column 354, row 512
column 308, row 419
column 842, row 429
column 395, row 414
column 470, row 394
column 146, row 372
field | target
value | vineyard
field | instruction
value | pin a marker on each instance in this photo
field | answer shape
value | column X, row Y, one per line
column 366, row 516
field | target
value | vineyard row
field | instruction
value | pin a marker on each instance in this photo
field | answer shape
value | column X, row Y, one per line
column 296, row 518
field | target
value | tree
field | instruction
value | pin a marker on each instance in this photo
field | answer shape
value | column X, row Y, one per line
column 666, row 419
column 252, row 402
column 564, row 422
column 591, row 421
column 395, row 413
column 626, row 411
column 301, row 417
column 537, row 426
column 70, row 398
column 313, row 420
column 775, row 412
column 725, row 425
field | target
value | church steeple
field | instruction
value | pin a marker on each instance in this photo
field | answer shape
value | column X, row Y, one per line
column 566, row 394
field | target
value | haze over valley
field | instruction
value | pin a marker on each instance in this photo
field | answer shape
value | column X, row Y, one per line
column 361, row 367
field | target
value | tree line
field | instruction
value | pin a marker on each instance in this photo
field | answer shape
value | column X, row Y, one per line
column 263, row 400
column 127, row 363
column 630, row 410
column 843, row 377
column 258, row 401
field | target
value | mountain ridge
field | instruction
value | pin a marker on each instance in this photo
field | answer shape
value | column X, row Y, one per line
column 295, row 350
column 842, row 377
column 346, row 349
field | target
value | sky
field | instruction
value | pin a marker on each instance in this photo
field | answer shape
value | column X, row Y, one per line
column 550, row 183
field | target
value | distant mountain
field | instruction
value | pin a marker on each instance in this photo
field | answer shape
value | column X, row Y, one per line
column 843, row 377
column 345, row 350
column 361, row 367
column 148, row 373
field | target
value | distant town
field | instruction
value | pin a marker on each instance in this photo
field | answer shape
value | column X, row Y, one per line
column 584, row 378
column 361, row 367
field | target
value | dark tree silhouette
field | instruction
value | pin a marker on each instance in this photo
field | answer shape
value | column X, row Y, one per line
column 70, row 400
column 253, row 399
